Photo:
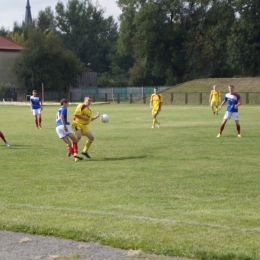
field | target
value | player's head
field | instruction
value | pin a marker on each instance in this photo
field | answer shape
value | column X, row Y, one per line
column 231, row 88
column 214, row 87
column 34, row 92
column 155, row 90
column 87, row 100
column 64, row 102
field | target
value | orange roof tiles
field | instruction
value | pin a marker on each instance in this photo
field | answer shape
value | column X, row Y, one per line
column 8, row 44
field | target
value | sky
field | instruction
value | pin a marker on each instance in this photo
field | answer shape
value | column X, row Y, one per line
column 14, row 10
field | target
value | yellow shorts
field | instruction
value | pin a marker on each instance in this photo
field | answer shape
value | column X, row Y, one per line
column 155, row 111
column 82, row 128
column 214, row 103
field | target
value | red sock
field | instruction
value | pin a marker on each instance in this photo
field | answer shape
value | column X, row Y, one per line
column 36, row 122
column 221, row 128
column 238, row 129
column 75, row 147
column 2, row 136
column 70, row 149
column 40, row 121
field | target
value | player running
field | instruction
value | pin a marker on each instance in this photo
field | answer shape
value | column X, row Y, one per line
column 234, row 100
column 64, row 131
column 156, row 106
column 36, row 108
column 3, row 138
column 214, row 99
column 82, row 117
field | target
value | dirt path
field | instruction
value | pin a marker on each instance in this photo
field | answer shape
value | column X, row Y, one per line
column 20, row 246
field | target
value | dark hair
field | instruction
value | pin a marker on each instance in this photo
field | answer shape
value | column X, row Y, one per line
column 64, row 100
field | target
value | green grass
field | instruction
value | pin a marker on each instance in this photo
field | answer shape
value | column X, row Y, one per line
column 176, row 191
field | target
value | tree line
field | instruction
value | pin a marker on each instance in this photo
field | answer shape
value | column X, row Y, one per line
column 157, row 42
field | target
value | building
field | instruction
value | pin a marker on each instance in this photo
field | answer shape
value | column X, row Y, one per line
column 28, row 15
column 9, row 50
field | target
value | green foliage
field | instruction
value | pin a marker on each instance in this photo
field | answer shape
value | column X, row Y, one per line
column 87, row 33
column 44, row 60
column 17, row 37
column 244, row 42
column 46, row 20
column 6, row 89
column 3, row 31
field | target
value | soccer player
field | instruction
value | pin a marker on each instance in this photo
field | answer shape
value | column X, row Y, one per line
column 82, row 117
column 36, row 108
column 156, row 106
column 234, row 100
column 214, row 99
column 64, row 131
column 3, row 138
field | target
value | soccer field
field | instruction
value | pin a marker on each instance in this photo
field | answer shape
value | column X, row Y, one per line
column 177, row 190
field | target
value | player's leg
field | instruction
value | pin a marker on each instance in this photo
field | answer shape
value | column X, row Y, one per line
column 154, row 115
column 75, row 146
column 236, row 119
column 216, row 108
column 212, row 107
column 35, row 118
column 222, row 126
column 3, row 138
column 40, row 119
column 67, row 141
column 90, row 140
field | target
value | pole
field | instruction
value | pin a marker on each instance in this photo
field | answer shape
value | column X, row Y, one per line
column 42, row 92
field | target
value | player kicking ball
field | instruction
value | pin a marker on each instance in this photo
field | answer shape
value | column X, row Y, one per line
column 64, row 131
column 3, row 138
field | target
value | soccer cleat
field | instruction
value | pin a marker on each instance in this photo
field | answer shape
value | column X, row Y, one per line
column 86, row 154
column 218, row 135
column 40, row 127
column 77, row 159
column 152, row 126
column 239, row 135
column 7, row 144
column 158, row 125
column 77, row 156
column 68, row 154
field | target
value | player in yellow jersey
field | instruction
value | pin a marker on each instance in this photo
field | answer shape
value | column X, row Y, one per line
column 82, row 117
column 214, row 99
column 156, row 106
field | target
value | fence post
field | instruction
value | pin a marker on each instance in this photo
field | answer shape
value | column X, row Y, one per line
column 118, row 98
column 200, row 98
column 94, row 97
column 131, row 98
column 171, row 98
column 247, row 98
column 186, row 98
column 105, row 97
column 144, row 98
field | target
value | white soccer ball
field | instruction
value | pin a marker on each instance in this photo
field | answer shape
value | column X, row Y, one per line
column 104, row 118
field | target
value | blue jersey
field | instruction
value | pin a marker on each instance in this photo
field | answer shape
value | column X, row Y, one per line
column 61, row 111
column 35, row 102
column 232, row 101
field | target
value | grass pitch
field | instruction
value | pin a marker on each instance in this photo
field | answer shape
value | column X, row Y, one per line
column 177, row 190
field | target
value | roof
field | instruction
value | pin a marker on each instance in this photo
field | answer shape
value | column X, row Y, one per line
column 8, row 44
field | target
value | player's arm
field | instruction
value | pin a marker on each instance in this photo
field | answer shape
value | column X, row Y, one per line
column 31, row 106
column 160, row 106
column 239, row 103
column 221, row 105
column 210, row 96
column 95, row 117
column 82, row 117
column 63, row 122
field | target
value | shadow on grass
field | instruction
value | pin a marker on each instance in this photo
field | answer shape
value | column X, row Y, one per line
column 119, row 158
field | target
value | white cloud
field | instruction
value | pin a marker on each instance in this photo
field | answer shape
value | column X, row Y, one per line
column 14, row 10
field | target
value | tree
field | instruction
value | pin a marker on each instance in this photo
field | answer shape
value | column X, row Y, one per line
column 87, row 33
column 44, row 60
column 244, row 42
column 46, row 20
column 151, row 31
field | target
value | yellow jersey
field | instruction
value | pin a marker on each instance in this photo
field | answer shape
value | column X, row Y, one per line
column 82, row 110
column 156, row 100
column 214, row 95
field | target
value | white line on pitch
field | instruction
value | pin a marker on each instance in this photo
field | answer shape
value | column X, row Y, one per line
column 144, row 218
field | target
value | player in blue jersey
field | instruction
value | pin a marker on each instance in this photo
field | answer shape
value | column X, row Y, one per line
column 36, row 108
column 234, row 100
column 64, row 131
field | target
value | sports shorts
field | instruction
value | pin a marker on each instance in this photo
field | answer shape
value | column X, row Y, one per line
column 82, row 128
column 61, row 132
column 36, row 111
column 214, row 103
column 233, row 115
column 155, row 111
